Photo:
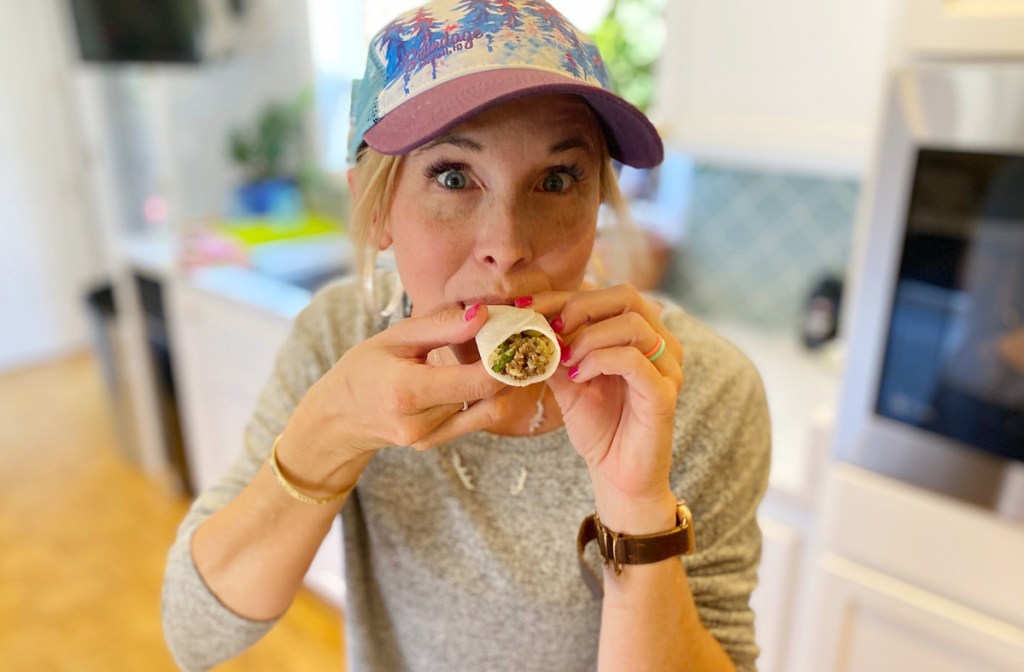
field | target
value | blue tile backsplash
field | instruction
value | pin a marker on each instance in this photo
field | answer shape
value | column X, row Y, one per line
column 757, row 242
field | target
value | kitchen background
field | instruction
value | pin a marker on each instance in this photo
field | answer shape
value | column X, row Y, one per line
column 117, row 186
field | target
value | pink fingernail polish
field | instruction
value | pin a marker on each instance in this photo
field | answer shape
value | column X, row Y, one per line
column 566, row 354
column 471, row 312
column 573, row 372
column 557, row 324
column 561, row 343
column 523, row 301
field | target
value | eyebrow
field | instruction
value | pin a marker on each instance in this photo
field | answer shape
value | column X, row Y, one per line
column 453, row 139
column 465, row 142
column 575, row 142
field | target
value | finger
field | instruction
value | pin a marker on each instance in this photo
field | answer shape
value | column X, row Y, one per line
column 641, row 375
column 428, row 386
column 422, row 429
column 549, row 304
column 667, row 358
column 417, row 336
column 564, row 390
column 590, row 307
column 478, row 416
column 677, row 372
column 629, row 329
column 465, row 353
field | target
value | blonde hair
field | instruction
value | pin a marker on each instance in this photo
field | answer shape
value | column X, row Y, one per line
column 375, row 175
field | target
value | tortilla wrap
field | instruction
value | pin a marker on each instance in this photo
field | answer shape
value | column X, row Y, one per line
column 518, row 330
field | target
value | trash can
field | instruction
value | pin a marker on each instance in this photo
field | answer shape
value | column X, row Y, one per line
column 107, row 345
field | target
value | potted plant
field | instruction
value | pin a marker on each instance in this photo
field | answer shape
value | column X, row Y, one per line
column 271, row 155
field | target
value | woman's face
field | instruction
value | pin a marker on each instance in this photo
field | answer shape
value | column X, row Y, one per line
column 504, row 205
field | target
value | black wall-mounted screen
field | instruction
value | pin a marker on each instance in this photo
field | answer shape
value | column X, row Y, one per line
column 954, row 360
column 117, row 31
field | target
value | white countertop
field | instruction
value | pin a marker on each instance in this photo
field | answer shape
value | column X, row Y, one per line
column 262, row 284
column 802, row 387
column 253, row 289
column 150, row 252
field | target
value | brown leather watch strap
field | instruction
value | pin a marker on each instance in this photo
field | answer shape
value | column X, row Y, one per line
column 622, row 549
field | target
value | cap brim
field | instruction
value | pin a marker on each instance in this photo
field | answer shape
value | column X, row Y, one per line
column 632, row 139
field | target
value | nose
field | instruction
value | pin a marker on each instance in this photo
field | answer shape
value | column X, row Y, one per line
column 503, row 242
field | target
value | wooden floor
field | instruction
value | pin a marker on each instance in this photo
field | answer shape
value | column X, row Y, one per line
column 84, row 537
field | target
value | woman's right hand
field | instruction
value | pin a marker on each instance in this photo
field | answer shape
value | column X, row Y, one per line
column 383, row 392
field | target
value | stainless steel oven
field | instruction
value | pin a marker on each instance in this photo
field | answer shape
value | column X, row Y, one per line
column 934, row 386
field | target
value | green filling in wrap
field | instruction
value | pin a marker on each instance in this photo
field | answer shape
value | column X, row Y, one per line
column 522, row 355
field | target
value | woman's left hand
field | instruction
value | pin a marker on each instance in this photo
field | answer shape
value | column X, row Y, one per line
column 618, row 406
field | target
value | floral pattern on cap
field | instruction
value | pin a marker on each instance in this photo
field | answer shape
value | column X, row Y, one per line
column 447, row 39
column 530, row 33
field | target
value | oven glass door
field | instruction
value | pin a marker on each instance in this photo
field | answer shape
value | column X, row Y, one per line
column 954, row 354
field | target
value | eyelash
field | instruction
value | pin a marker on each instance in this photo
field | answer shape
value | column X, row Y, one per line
column 441, row 166
column 573, row 170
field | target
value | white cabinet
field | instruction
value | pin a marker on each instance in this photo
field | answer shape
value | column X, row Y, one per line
column 800, row 389
column 905, row 579
column 224, row 354
column 966, row 28
column 792, row 84
column 773, row 600
column 871, row 622
column 780, row 602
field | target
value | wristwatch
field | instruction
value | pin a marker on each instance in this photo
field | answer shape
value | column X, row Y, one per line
column 624, row 549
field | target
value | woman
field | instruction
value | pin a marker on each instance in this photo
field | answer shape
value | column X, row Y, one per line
column 483, row 132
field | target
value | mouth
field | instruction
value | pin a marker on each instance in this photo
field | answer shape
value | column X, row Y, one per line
column 489, row 300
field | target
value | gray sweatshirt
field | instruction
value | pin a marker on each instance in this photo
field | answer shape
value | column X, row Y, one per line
column 463, row 557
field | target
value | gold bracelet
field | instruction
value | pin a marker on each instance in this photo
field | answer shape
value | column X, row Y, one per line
column 291, row 489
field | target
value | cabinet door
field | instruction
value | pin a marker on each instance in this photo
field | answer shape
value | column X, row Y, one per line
column 224, row 353
column 776, row 590
column 870, row 622
column 966, row 27
column 327, row 571
column 789, row 84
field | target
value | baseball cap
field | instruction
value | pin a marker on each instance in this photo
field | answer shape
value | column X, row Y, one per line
column 434, row 67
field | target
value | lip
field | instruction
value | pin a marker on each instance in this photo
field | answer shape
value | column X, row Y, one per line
column 489, row 300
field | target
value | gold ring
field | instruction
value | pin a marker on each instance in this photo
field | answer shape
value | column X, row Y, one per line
column 465, row 405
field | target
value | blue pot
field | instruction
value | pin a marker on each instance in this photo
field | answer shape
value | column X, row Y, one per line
column 275, row 197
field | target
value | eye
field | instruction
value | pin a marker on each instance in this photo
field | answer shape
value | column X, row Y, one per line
column 556, row 182
column 453, row 179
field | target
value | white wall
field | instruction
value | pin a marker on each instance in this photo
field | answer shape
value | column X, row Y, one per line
column 48, row 248
column 83, row 146
column 161, row 131
column 193, row 110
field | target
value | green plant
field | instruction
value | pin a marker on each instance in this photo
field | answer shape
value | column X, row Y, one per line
column 275, row 145
column 631, row 37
